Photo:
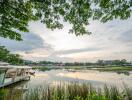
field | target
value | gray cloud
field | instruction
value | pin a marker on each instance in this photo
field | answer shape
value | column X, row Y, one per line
column 123, row 52
column 51, row 58
column 30, row 41
column 126, row 36
column 72, row 51
column 55, row 56
column 110, row 37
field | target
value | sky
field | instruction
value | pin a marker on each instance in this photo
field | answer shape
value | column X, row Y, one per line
column 108, row 41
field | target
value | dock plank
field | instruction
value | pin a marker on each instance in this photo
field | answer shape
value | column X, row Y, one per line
column 15, row 81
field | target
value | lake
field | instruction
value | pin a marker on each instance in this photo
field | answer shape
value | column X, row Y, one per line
column 95, row 77
column 54, row 77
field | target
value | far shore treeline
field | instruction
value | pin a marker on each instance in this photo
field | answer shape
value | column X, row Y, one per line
column 15, row 59
column 122, row 62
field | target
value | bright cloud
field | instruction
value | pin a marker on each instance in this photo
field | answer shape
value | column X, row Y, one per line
column 112, row 40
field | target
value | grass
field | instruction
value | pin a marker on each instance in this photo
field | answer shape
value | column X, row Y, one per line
column 73, row 91
column 2, row 93
column 77, row 91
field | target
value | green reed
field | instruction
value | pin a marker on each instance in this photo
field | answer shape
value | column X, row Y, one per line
column 69, row 91
column 76, row 91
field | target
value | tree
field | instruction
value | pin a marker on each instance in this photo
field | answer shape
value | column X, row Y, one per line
column 100, row 62
column 123, row 61
column 120, row 62
column 15, row 14
column 6, row 56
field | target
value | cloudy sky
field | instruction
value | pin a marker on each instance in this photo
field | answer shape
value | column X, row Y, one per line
column 112, row 40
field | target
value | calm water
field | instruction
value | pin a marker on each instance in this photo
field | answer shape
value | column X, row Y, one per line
column 97, row 78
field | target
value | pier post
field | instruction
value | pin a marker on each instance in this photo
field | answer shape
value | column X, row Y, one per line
column 14, row 76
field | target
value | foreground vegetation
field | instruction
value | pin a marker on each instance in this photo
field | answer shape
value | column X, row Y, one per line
column 75, row 91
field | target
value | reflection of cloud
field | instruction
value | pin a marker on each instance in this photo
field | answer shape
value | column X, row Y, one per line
column 60, row 74
column 41, row 75
column 96, row 76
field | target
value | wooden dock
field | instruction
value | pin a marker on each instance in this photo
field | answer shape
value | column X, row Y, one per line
column 10, row 74
column 18, row 79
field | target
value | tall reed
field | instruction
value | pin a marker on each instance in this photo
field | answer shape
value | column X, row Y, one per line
column 68, row 91
column 75, row 91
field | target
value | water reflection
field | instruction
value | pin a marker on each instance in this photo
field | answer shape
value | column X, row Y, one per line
column 118, row 72
column 95, row 77
column 123, row 72
column 16, row 92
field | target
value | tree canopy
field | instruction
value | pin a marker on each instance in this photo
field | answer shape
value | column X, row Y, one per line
column 6, row 56
column 15, row 14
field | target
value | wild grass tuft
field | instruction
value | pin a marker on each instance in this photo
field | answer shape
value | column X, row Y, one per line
column 76, row 91
column 72, row 91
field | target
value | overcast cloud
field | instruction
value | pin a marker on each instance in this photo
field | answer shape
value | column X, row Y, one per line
column 112, row 40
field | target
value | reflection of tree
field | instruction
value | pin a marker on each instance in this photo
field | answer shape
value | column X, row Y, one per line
column 124, row 72
column 15, row 93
